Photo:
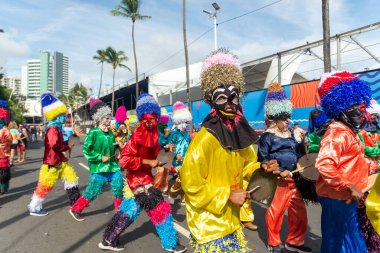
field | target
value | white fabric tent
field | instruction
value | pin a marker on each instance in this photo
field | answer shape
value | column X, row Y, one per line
column 174, row 80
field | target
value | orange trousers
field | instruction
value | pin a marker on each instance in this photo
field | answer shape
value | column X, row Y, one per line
column 287, row 196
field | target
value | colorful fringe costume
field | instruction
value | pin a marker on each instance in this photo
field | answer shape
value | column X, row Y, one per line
column 139, row 194
column 278, row 144
column 99, row 143
column 369, row 135
column 181, row 117
column 218, row 158
column 341, row 161
column 55, row 165
column 6, row 140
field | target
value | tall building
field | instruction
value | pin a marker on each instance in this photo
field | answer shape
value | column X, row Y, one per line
column 60, row 73
column 13, row 83
column 49, row 73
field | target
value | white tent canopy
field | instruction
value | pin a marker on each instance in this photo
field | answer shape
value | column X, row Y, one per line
column 174, row 80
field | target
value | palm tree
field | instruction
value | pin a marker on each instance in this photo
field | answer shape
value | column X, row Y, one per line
column 130, row 9
column 101, row 57
column 116, row 59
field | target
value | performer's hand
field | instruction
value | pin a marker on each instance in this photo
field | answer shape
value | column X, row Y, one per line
column 271, row 166
column 285, row 173
column 179, row 158
column 154, row 163
column 105, row 159
column 356, row 195
column 238, row 197
column 171, row 147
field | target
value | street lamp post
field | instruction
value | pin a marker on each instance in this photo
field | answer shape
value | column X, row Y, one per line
column 214, row 16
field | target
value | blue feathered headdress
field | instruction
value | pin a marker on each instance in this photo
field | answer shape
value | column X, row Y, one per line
column 147, row 104
column 341, row 90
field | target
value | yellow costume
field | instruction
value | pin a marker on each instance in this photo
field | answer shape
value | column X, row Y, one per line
column 372, row 204
column 208, row 174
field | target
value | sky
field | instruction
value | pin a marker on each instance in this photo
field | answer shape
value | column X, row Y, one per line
column 78, row 28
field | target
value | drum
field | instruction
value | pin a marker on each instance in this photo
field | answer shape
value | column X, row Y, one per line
column 306, row 178
column 262, row 187
column 165, row 157
column 308, row 163
column 161, row 174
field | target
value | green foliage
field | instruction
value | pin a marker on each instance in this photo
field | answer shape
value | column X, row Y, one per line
column 116, row 58
column 17, row 109
column 129, row 9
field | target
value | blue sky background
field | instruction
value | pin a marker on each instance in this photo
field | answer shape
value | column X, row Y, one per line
column 78, row 28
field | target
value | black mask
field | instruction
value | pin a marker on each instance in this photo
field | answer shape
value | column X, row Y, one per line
column 355, row 114
column 226, row 96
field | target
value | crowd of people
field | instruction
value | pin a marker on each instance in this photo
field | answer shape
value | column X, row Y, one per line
column 212, row 168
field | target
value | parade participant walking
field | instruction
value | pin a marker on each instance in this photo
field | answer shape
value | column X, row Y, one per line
column 99, row 150
column 278, row 144
column 369, row 135
column 54, row 164
column 180, row 138
column 163, row 129
column 119, row 129
column 139, row 158
column 5, row 147
column 341, row 163
column 218, row 158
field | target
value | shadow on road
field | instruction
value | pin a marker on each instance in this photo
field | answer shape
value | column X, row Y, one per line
column 311, row 240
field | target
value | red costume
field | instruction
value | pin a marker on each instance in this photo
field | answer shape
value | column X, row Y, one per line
column 54, row 147
column 332, row 158
column 143, row 144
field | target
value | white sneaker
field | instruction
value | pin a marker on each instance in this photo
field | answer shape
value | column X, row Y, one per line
column 105, row 246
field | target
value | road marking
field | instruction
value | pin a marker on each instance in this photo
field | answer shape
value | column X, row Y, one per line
column 84, row 166
column 177, row 227
column 182, row 230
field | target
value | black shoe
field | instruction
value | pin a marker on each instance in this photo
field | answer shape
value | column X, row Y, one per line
column 106, row 246
column 297, row 249
column 76, row 216
column 177, row 249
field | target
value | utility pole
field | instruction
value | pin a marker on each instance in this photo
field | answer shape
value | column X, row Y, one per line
column 186, row 57
column 326, row 36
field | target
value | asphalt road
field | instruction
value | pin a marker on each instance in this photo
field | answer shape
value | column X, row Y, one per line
column 59, row 232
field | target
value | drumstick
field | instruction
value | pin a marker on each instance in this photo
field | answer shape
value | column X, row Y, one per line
column 254, row 189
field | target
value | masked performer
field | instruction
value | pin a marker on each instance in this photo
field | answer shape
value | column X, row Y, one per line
column 341, row 163
column 5, row 147
column 99, row 150
column 54, row 164
column 218, row 159
column 139, row 158
column 119, row 129
column 277, row 144
column 181, row 117
column 163, row 129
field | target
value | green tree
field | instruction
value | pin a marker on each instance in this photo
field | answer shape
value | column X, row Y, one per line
column 116, row 59
column 130, row 9
column 17, row 109
column 101, row 57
